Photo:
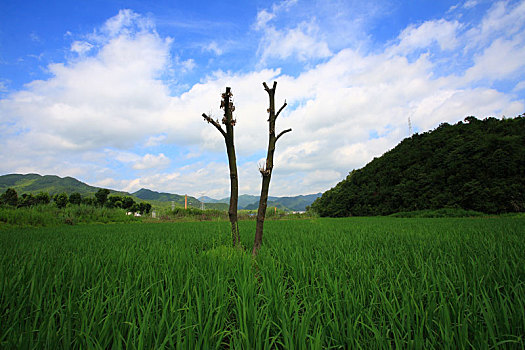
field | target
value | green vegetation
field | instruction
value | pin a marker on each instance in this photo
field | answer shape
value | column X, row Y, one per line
column 194, row 214
column 477, row 165
column 179, row 200
column 34, row 183
column 326, row 283
column 29, row 210
column 53, row 185
column 439, row 213
column 51, row 215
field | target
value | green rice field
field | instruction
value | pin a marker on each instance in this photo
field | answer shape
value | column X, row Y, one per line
column 356, row 283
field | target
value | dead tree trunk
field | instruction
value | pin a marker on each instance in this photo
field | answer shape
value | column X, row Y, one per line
column 229, row 122
column 266, row 169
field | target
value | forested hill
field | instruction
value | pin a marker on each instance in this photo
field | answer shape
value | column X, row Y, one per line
column 476, row 165
column 52, row 184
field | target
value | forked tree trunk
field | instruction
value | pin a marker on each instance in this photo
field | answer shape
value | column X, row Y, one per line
column 229, row 122
column 266, row 169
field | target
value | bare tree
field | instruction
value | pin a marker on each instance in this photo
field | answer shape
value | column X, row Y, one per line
column 229, row 122
column 266, row 169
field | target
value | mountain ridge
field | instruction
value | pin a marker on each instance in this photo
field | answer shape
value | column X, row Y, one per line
column 53, row 184
column 473, row 165
column 251, row 202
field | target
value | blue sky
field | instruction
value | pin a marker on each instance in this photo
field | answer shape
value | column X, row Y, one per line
column 112, row 92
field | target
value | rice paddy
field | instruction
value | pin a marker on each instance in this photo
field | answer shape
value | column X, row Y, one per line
column 321, row 283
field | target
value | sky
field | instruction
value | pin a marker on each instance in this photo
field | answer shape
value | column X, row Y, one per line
column 112, row 92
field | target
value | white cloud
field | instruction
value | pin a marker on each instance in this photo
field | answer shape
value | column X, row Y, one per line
column 125, row 22
column 520, row 86
column 213, row 47
column 502, row 59
column 81, row 47
column 188, row 65
column 264, row 16
column 153, row 141
column 352, row 107
column 503, row 20
column 470, row 4
column 302, row 42
column 150, row 161
column 440, row 31
column 110, row 99
column 189, row 181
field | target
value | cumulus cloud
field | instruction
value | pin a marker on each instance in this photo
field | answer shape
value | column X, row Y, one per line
column 110, row 99
column 503, row 20
column 150, row 161
column 441, row 32
column 502, row 59
column 110, row 108
column 303, row 41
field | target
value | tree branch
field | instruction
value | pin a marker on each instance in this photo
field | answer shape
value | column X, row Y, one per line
column 214, row 123
column 268, row 89
column 282, row 133
column 280, row 109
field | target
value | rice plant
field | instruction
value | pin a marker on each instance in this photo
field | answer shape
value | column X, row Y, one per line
column 321, row 283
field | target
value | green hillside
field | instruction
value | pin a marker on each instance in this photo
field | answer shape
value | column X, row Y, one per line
column 250, row 202
column 270, row 204
column 475, row 165
column 297, row 203
column 52, row 184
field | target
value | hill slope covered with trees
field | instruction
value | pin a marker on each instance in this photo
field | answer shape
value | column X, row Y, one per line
column 475, row 165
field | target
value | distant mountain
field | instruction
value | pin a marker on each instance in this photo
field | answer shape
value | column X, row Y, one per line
column 297, row 203
column 270, row 204
column 206, row 199
column 52, row 184
column 149, row 195
column 250, row 202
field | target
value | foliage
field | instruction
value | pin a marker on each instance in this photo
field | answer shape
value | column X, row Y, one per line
column 75, row 198
column 43, row 198
column 50, row 215
column 61, row 200
column 127, row 202
column 36, row 208
column 10, row 197
column 438, row 213
column 476, row 165
column 102, row 196
column 195, row 214
column 26, row 200
column 369, row 283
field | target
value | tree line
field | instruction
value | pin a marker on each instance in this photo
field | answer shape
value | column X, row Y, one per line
column 474, row 165
column 102, row 198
